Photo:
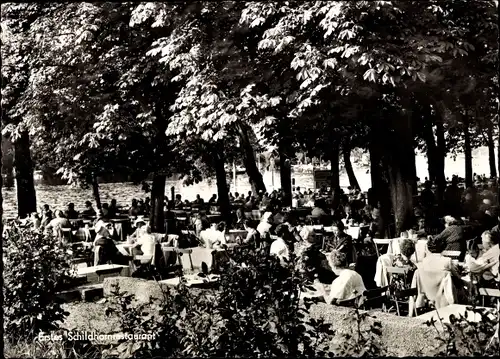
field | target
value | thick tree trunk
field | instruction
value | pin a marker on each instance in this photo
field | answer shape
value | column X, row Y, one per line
column 468, row 155
column 254, row 175
column 401, row 170
column 440, row 163
column 222, row 187
column 353, row 181
column 26, row 195
column 156, row 217
column 491, row 152
column 95, row 192
column 335, row 170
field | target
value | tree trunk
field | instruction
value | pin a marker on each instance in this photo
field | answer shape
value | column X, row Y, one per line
column 440, row 162
column 156, row 217
column 499, row 148
column 222, row 187
column 353, row 181
column 401, row 169
column 1, row 187
column 491, row 152
column 468, row 155
column 286, row 177
column 95, row 192
column 380, row 186
column 335, row 170
column 254, row 175
column 431, row 150
column 26, row 195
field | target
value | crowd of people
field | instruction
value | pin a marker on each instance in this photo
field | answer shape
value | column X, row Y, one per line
column 468, row 223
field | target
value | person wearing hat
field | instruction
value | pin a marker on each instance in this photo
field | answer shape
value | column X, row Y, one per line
column 139, row 224
column 108, row 251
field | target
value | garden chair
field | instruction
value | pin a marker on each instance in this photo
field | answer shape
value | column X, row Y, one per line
column 400, row 296
column 489, row 292
column 380, row 241
column 375, row 298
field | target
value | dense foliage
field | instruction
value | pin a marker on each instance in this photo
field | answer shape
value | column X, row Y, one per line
column 36, row 267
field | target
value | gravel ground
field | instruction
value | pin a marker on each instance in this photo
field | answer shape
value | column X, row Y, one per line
column 401, row 335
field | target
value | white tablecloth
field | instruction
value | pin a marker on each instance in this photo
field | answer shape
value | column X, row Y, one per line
column 89, row 270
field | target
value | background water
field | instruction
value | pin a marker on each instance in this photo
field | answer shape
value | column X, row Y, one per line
column 60, row 196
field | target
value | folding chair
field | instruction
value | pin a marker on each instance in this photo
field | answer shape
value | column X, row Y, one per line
column 489, row 292
column 375, row 297
column 400, row 296
column 451, row 254
column 380, row 241
column 67, row 234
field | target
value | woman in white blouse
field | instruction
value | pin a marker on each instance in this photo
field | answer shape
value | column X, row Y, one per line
column 347, row 286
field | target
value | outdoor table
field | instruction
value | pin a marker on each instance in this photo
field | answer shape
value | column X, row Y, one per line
column 193, row 280
column 453, row 309
column 91, row 275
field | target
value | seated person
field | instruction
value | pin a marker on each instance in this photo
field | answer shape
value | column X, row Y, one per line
column 35, row 220
column 486, row 264
column 218, row 240
column 108, row 252
column 139, row 228
column 238, row 224
column 213, row 199
column 402, row 260
column 134, row 209
column 351, row 215
column 146, row 241
column 340, row 241
column 113, row 210
column 279, row 247
column 347, row 286
column 70, row 212
column 253, row 237
column 453, row 235
column 89, row 211
column 421, row 228
column 318, row 210
column 46, row 215
column 199, row 200
column 311, row 258
column 264, row 228
column 58, row 223
column 439, row 265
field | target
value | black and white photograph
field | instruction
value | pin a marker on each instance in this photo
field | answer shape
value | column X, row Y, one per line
column 250, row 179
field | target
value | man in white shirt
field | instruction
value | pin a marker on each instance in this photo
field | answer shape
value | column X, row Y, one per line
column 295, row 201
column 146, row 241
column 486, row 264
column 265, row 225
column 279, row 247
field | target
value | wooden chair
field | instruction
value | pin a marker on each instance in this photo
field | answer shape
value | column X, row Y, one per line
column 380, row 241
column 400, row 296
column 451, row 254
column 489, row 292
column 375, row 297
column 67, row 234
